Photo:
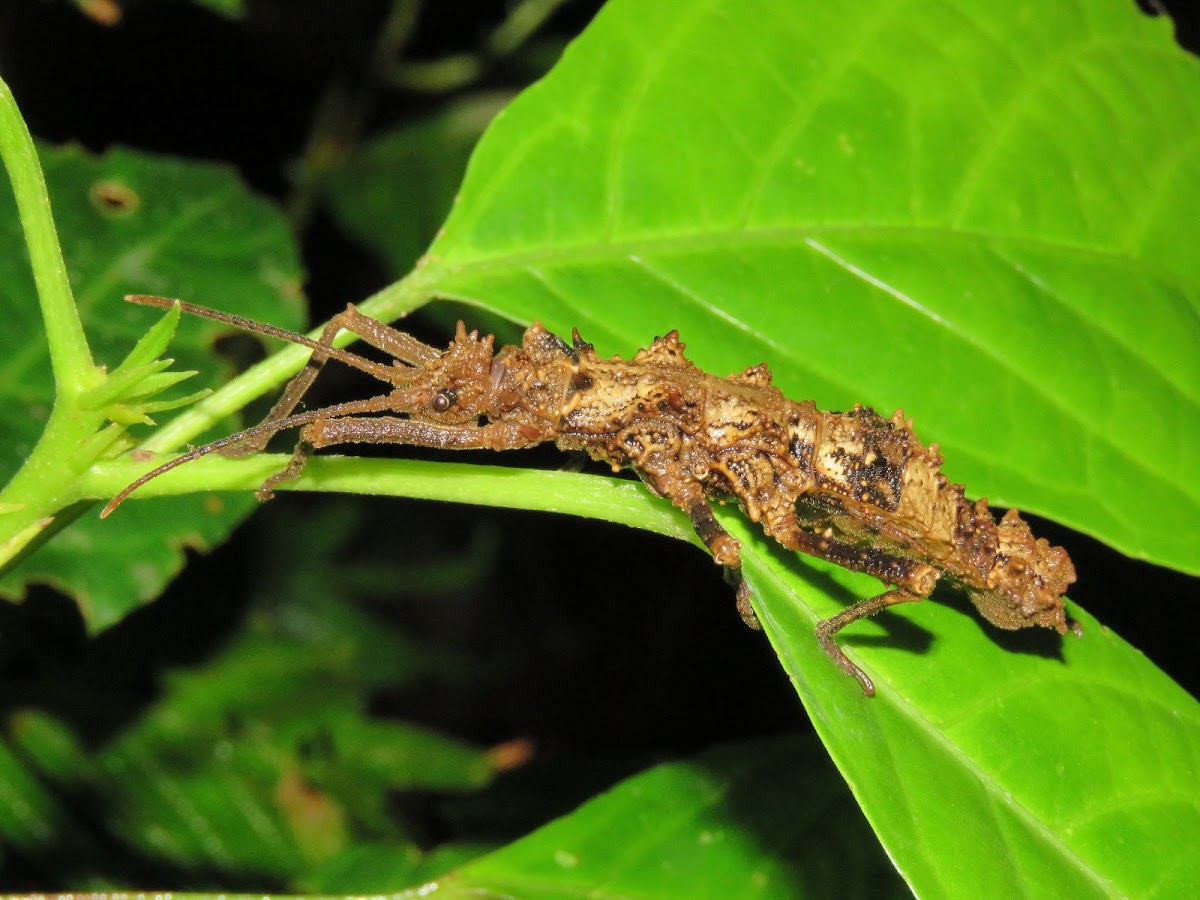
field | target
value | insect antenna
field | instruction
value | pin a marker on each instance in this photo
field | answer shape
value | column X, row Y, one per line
column 266, row 428
column 389, row 373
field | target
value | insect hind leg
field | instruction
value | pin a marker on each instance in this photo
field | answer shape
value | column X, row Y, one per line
column 827, row 628
column 910, row 580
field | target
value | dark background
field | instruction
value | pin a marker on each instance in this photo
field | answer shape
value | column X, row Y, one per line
column 666, row 666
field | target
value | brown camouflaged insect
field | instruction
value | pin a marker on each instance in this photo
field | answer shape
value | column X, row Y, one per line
column 853, row 488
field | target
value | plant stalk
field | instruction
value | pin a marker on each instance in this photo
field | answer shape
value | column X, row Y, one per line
column 70, row 356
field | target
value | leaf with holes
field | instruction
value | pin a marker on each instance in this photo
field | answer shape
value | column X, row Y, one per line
column 133, row 223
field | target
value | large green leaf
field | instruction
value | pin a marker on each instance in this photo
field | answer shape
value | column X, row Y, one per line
column 991, row 764
column 980, row 213
column 132, row 223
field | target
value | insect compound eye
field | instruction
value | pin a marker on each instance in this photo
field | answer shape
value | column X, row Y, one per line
column 443, row 400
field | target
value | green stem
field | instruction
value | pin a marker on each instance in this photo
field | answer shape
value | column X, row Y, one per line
column 74, row 370
column 396, row 34
column 520, row 24
column 574, row 493
column 437, row 76
column 459, row 70
column 45, row 483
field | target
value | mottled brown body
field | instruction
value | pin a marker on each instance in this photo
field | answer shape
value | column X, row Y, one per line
column 854, row 488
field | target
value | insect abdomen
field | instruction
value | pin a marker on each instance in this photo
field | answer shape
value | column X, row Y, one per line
column 857, row 456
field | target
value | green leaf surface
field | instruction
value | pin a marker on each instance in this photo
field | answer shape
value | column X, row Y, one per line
column 379, row 868
column 979, row 213
column 29, row 814
column 133, row 223
column 989, row 763
column 764, row 818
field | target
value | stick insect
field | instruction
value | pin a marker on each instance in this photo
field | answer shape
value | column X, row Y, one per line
column 855, row 488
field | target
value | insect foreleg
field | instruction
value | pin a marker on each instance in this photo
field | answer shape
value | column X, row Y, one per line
column 353, row 407
column 393, row 430
column 396, row 343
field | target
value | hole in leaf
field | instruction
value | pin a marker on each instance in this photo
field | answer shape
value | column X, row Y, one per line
column 114, row 199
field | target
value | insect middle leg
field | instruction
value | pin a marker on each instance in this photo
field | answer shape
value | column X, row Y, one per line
column 910, row 580
column 725, row 549
column 401, row 346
